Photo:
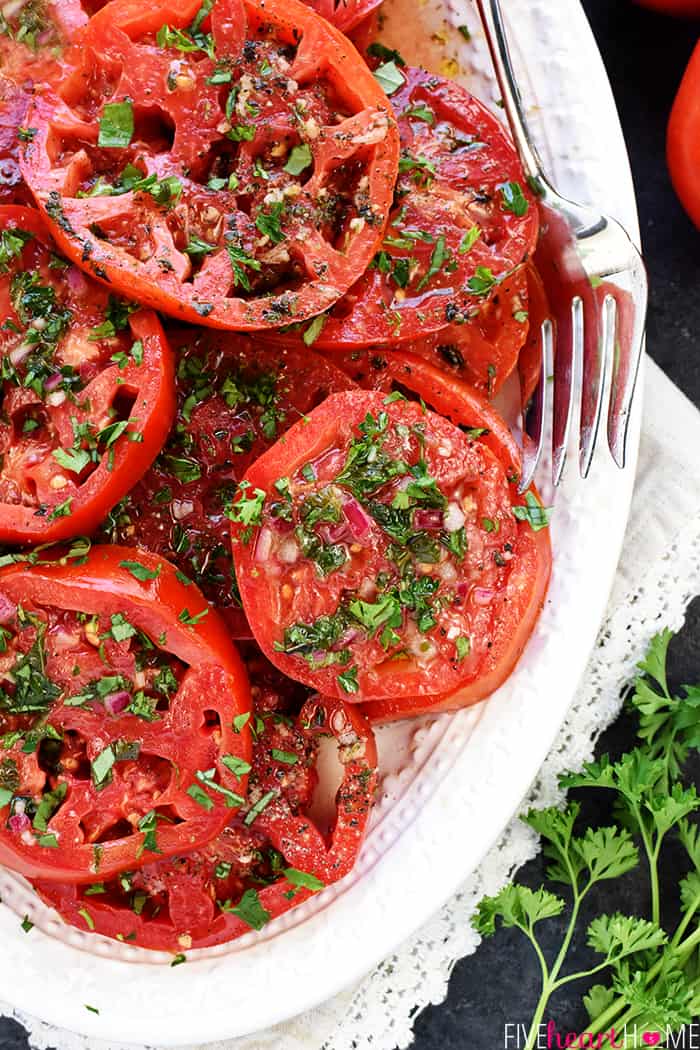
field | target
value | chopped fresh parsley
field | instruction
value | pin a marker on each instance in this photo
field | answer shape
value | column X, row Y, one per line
column 513, row 199
column 12, row 242
column 249, row 909
column 537, row 516
column 389, row 77
column 140, row 571
column 116, row 125
column 347, row 680
column 299, row 159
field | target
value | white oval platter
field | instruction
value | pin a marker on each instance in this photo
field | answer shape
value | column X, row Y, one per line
column 450, row 784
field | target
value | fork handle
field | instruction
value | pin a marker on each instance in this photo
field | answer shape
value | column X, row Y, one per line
column 493, row 23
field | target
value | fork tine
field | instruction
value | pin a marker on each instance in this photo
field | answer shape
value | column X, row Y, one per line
column 568, row 354
column 536, row 415
column 628, row 349
column 598, row 346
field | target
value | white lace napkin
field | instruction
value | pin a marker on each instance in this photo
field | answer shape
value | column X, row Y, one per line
column 659, row 574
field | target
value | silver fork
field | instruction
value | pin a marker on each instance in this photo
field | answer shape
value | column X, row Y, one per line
column 597, row 286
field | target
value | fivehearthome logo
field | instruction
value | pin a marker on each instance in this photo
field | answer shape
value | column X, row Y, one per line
column 629, row 1037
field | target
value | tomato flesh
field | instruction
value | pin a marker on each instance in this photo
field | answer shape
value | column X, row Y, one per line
column 117, row 715
column 373, row 549
column 87, row 389
column 236, row 397
column 251, row 185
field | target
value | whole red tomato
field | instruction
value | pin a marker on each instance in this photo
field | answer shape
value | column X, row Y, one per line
column 683, row 147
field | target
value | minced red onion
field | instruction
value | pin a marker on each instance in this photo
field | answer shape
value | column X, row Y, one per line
column 336, row 533
column 19, row 353
column 181, row 508
column 357, row 518
column 348, row 636
column 454, row 518
column 427, row 519
column 288, row 551
column 7, row 608
column 263, row 548
column 53, row 381
column 483, row 595
column 56, row 398
column 19, row 822
column 116, row 702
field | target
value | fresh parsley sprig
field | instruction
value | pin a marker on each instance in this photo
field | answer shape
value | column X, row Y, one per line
column 653, row 975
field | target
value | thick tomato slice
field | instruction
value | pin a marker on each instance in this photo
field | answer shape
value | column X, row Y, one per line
column 233, row 169
column 532, row 565
column 124, row 720
column 271, row 858
column 236, row 397
column 463, row 219
column 376, row 545
column 87, row 389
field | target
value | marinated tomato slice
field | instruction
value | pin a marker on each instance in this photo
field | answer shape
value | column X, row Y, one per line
column 531, row 563
column 236, row 397
column 274, row 855
column 463, row 219
column 232, row 168
column 123, row 714
column 87, row 389
column 377, row 547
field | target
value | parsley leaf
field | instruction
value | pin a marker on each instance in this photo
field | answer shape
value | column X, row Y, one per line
column 116, row 125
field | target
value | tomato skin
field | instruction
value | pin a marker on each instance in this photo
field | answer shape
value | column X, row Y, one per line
column 348, row 15
column 683, row 143
column 216, row 680
column 164, row 277
column 152, row 385
column 191, row 919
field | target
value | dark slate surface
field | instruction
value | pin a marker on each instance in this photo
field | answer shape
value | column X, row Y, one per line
column 646, row 55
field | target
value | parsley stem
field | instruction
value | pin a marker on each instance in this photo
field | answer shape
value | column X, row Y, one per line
column 549, row 977
column 684, row 923
column 581, row 974
column 545, row 993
